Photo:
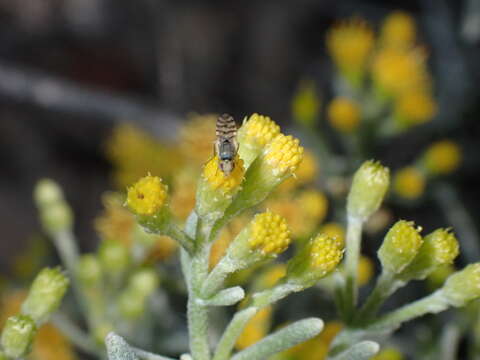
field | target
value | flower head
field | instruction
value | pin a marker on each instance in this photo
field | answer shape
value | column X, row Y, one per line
column 398, row 30
column 343, row 114
column 439, row 248
column 409, row 182
column 306, row 103
column 335, row 231
column 319, row 257
column 369, row 185
column 350, row 43
column 217, row 179
column 283, row 155
column 147, row 196
column 463, row 286
column 254, row 134
column 442, row 157
column 400, row 246
column 414, row 108
column 269, row 233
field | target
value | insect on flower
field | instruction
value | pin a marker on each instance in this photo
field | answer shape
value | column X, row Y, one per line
column 226, row 145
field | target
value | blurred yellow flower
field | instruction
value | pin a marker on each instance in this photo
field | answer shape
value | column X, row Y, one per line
column 343, row 114
column 350, row 43
column 197, row 137
column 182, row 200
column 409, row 182
column 396, row 71
column 306, row 104
column 365, row 270
column 442, row 157
column 162, row 249
column 335, row 231
column 271, row 276
column 256, row 328
column 414, row 107
column 398, row 30
column 134, row 152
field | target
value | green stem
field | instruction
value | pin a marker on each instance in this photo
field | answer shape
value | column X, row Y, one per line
column 183, row 239
column 353, row 248
column 79, row 338
column 197, row 312
column 386, row 286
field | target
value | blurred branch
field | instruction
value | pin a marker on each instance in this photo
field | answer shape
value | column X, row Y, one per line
column 34, row 87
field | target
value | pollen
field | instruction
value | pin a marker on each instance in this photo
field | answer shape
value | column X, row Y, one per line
column 409, row 182
column 350, row 43
column 443, row 157
column 147, row 196
column 258, row 130
column 283, row 154
column 343, row 114
column 217, row 179
column 325, row 253
column 269, row 233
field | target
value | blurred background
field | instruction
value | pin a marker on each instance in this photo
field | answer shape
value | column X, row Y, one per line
column 72, row 70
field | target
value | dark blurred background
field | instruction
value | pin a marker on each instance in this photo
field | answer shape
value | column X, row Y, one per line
column 71, row 69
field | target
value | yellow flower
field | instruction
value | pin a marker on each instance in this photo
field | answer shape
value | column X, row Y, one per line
column 350, row 44
column 133, row 152
column 269, row 233
column 442, row 157
column 162, row 249
column 409, row 182
column 398, row 30
column 306, row 173
column 343, row 114
column 217, row 179
column 256, row 328
column 400, row 246
column 335, row 231
column 182, row 200
column 197, row 137
column 414, row 107
column 388, row 353
column 271, row 276
column 396, row 71
column 325, row 254
column 283, row 155
column 254, row 134
column 306, row 103
column 365, row 270
column 147, row 196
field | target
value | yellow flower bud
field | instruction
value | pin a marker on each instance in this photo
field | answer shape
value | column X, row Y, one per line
column 306, row 104
column 463, row 286
column 369, row 185
column 316, row 259
column 343, row 114
column 147, row 196
column 414, row 108
column 349, row 44
column 253, row 135
column 439, row 248
column 400, row 246
column 334, row 231
column 269, row 233
column 306, row 173
column 409, row 182
column 442, row 157
column 365, row 270
column 398, row 30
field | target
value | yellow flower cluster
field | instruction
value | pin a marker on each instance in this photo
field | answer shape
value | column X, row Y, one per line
column 325, row 253
column 147, row 196
column 269, row 233
column 258, row 130
column 335, row 231
column 350, row 44
column 219, row 180
column 306, row 173
column 283, row 154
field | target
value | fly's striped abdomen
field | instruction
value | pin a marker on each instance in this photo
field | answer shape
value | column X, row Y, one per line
column 226, row 127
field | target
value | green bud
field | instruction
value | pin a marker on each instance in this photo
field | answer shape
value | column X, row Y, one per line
column 45, row 294
column 47, row 192
column 89, row 270
column 400, row 246
column 463, row 286
column 439, row 248
column 131, row 305
column 101, row 331
column 114, row 257
column 18, row 335
column 55, row 214
column 144, row 281
column 370, row 183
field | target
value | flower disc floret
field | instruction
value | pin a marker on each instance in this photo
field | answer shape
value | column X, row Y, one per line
column 217, row 179
column 259, row 130
column 325, row 253
column 283, row 154
column 147, row 196
column 269, row 233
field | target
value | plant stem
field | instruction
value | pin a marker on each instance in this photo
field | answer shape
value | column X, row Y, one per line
column 74, row 334
column 386, row 285
column 197, row 312
column 183, row 239
column 353, row 248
